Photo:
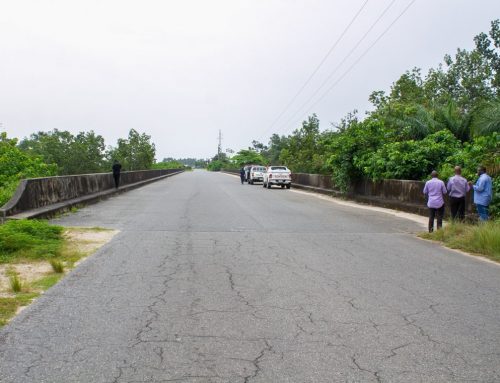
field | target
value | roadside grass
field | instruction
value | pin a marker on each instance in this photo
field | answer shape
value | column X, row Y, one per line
column 483, row 238
column 15, row 283
column 57, row 266
column 34, row 256
column 29, row 240
column 9, row 306
column 46, row 282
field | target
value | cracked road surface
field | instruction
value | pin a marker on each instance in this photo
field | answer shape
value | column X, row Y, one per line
column 213, row 281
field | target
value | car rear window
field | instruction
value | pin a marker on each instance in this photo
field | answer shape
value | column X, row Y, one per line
column 259, row 169
column 278, row 168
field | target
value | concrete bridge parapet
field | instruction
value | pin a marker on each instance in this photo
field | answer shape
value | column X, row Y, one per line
column 38, row 197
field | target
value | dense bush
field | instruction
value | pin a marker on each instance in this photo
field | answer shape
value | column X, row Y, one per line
column 410, row 159
column 216, row 165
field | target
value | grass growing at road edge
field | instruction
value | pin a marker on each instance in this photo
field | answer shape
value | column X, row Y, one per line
column 9, row 306
column 483, row 238
column 34, row 256
column 29, row 239
column 15, row 283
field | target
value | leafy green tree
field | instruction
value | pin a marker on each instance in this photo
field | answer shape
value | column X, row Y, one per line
column 83, row 153
column 347, row 150
column 301, row 153
column 276, row 144
column 16, row 164
column 88, row 153
column 486, row 119
column 247, row 157
column 137, row 152
column 53, row 146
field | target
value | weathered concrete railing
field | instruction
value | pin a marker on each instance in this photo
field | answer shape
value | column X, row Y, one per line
column 314, row 180
column 405, row 195
column 50, row 194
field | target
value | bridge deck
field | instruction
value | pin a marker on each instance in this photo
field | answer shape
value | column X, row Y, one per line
column 213, row 281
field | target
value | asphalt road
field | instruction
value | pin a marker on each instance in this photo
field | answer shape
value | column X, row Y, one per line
column 213, row 281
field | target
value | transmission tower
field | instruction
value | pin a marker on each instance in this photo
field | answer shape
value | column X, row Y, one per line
column 219, row 148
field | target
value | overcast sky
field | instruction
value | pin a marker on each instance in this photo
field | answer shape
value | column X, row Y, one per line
column 181, row 70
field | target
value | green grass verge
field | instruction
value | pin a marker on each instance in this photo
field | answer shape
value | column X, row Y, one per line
column 29, row 240
column 483, row 239
column 9, row 306
column 46, row 282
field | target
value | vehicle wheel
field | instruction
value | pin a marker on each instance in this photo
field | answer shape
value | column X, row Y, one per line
column 288, row 186
column 268, row 185
column 282, row 186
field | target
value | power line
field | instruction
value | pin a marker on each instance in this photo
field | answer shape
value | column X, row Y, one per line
column 360, row 57
column 341, row 63
column 332, row 48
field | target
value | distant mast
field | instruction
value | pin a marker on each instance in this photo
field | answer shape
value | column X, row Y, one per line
column 219, row 147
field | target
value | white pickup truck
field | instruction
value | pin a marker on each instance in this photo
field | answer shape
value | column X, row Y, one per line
column 278, row 175
column 256, row 174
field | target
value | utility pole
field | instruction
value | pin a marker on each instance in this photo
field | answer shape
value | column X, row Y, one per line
column 219, row 148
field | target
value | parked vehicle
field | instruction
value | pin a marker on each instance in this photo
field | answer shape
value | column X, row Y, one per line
column 277, row 175
column 256, row 174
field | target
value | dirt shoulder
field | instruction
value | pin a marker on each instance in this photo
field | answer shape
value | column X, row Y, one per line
column 23, row 281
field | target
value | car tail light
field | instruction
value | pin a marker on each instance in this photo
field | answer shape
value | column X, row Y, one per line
column 270, row 175
column 252, row 174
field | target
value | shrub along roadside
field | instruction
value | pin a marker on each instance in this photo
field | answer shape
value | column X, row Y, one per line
column 29, row 240
column 482, row 239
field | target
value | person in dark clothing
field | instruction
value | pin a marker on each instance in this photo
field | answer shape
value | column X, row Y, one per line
column 242, row 175
column 117, row 167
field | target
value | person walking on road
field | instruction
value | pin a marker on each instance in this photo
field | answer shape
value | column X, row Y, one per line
column 242, row 175
column 435, row 190
column 117, row 167
column 457, row 190
column 483, row 193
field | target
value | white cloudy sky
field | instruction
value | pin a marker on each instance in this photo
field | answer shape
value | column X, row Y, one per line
column 181, row 70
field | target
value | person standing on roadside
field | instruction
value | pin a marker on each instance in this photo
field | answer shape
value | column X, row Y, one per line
column 457, row 190
column 435, row 190
column 242, row 175
column 483, row 193
column 117, row 167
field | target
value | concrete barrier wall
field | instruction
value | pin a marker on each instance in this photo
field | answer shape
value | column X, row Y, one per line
column 398, row 190
column 405, row 195
column 314, row 180
column 35, row 193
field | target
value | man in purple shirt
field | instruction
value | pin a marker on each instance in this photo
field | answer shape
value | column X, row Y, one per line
column 435, row 190
column 457, row 190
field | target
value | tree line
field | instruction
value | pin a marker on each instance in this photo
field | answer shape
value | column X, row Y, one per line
column 58, row 152
column 449, row 116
